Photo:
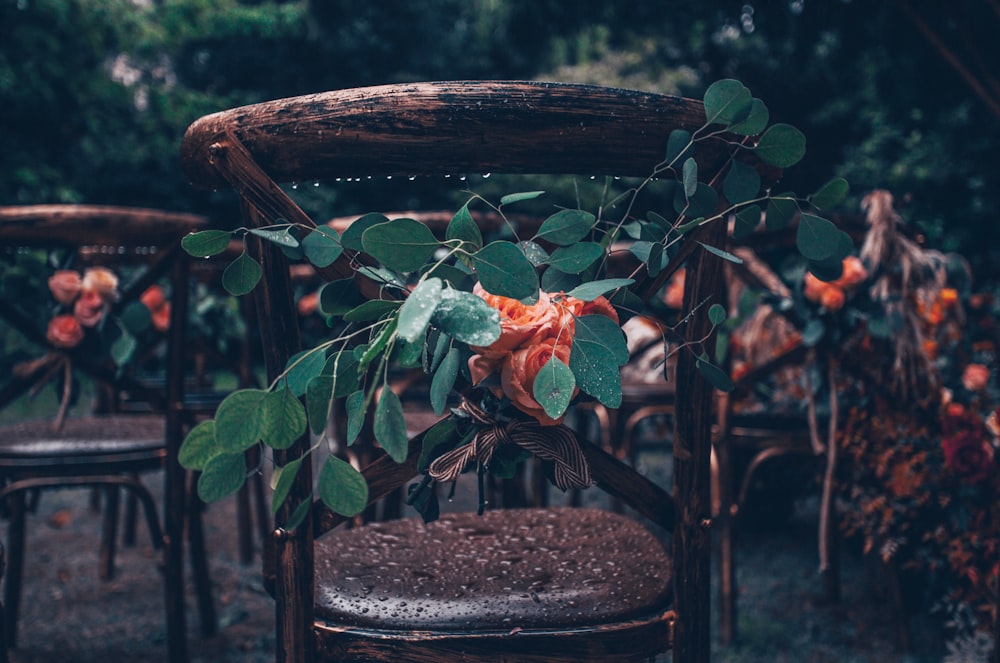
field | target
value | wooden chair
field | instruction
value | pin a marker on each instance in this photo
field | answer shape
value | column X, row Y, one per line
column 106, row 449
column 595, row 585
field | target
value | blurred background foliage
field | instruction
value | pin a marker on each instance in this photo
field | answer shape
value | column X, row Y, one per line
column 897, row 94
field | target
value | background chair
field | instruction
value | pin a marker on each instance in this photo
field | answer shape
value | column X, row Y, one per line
column 439, row 128
column 107, row 448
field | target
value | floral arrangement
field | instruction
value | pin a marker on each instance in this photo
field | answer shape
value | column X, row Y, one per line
column 510, row 330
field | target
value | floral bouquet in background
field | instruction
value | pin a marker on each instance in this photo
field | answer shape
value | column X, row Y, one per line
column 509, row 328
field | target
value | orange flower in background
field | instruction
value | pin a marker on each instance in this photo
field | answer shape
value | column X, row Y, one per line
column 948, row 297
column 968, row 455
column 102, row 281
column 674, row 296
column 161, row 318
column 159, row 308
column 931, row 348
column 64, row 331
column 853, row 275
column 833, row 294
column 65, row 286
column 833, row 298
column 975, row 377
column 308, row 304
column 89, row 308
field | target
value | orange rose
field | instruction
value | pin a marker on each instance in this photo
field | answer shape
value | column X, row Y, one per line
column 518, row 373
column 931, row 348
column 89, row 308
column 975, row 377
column 308, row 304
column 102, row 281
column 161, row 317
column 948, row 297
column 153, row 298
column 854, row 273
column 523, row 324
column 674, row 296
column 814, row 288
column 64, row 331
column 599, row 306
column 65, row 286
column 833, row 298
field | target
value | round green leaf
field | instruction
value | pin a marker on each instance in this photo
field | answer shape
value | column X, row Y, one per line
column 322, row 246
column 727, row 101
column 717, row 314
column 241, row 275
column 342, row 488
column 282, row 237
column 511, row 198
column 463, row 228
column 782, row 145
column 816, row 238
column 198, row 447
column 223, row 475
column 123, row 348
column 566, row 227
column 339, row 296
column 504, row 270
column 444, row 380
column 351, row 239
column 679, row 146
column 599, row 350
column 689, row 176
column 554, row 386
column 319, row 394
column 284, row 418
column 402, row 245
column 354, row 405
column 702, row 203
column 747, row 220
column 415, row 313
column 282, row 482
column 206, row 243
column 576, row 258
column 533, row 252
column 467, row 318
column 754, row 122
column 717, row 377
column 303, row 367
column 830, row 194
column 742, row 183
column 592, row 290
column 136, row 317
column 780, row 211
column 374, row 309
column 238, row 424
column 390, row 425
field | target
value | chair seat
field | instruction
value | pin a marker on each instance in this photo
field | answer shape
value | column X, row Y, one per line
column 506, row 569
column 83, row 440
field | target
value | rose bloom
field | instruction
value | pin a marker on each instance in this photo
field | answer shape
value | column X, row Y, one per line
column 674, row 296
column 833, row 298
column 64, row 331
column 521, row 367
column 968, row 455
column 308, row 304
column 102, row 281
column 931, row 348
column 89, row 308
column 65, row 286
column 948, row 297
column 813, row 287
column 153, row 298
column 854, row 273
column 161, row 317
column 975, row 377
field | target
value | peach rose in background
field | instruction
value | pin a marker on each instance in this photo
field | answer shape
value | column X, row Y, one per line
column 975, row 377
column 674, row 296
column 64, row 331
column 968, row 455
column 159, row 308
column 102, row 281
column 65, row 286
column 853, row 275
column 833, row 299
column 832, row 295
column 161, row 318
column 308, row 304
column 519, row 370
column 89, row 308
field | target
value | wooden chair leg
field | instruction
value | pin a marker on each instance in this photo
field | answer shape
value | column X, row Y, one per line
column 15, row 567
column 109, row 532
column 199, row 566
column 244, row 526
column 129, row 518
column 728, row 589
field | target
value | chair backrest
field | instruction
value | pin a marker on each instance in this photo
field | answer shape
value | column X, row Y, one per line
column 474, row 127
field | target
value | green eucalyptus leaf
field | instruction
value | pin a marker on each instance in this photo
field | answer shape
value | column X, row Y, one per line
column 444, row 380
column 298, row 515
column 725, row 255
column 555, row 281
column 679, row 146
column 702, row 203
column 284, row 418
column 535, row 254
column 402, row 245
column 283, row 479
column 726, row 102
column 662, row 222
column 303, row 367
column 352, row 237
column 342, row 488
column 206, row 243
column 553, row 387
column 198, row 447
column 354, row 405
column 339, row 296
column 599, row 350
column 828, row 270
column 467, row 318
column 576, row 258
column 592, row 290
column 742, row 183
column 415, row 313
column 322, row 246
column 136, row 317
column 566, row 227
column 238, row 424
column 813, row 332
column 504, row 270
column 717, row 377
column 717, row 314
column 755, row 122
column 816, row 238
column 655, row 260
column 747, row 220
column 374, row 349
column 390, row 425
column 223, row 476
column 518, row 197
column 280, row 237
column 241, row 275
column 374, row 309
column 406, row 354
column 439, row 438
column 454, row 275
column 689, row 175
column 319, row 394
column 830, row 194
column 123, row 348
column 780, row 211
column 463, row 228
column 782, row 145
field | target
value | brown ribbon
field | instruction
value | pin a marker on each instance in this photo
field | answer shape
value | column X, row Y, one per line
column 554, row 443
